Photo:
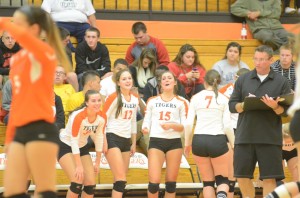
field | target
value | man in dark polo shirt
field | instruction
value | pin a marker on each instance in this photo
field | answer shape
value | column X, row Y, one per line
column 258, row 135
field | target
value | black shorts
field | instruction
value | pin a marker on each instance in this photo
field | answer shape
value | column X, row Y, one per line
column 37, row 131
column 64, row 149
column 165, row 145
column 287, row 155
column 268, row 156
column 114, row 140
column 209, row 145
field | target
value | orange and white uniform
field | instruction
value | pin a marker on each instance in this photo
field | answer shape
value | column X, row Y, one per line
column 125, row 124
column 79, row 128
column 213, row 115
column 159, row 111
column 31, row 74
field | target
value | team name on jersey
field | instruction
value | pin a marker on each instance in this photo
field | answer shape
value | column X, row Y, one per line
column 169, row 105
column 89, row 129
column 131, row 106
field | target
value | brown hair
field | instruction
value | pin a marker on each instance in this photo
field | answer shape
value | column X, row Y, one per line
column 36, row 15
column 184, row 49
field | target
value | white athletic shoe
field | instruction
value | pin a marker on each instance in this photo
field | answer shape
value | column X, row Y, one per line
column 289, row 10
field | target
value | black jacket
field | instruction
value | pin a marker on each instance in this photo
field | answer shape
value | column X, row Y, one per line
column 5, row 55
column 151, row 89
column 88, row 59
column 60, row 114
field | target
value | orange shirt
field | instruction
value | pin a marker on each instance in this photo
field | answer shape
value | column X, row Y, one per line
column 31, row 74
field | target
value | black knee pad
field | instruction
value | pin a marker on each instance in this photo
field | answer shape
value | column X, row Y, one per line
column 119, row 186
column 221, row 180
column 221, row 194
column 170, row 187
column 75, row 187
column 231, row 186
column 47, row 194
column 209, row 183
column 22, row 195
column 153, row 187
column 90, row 189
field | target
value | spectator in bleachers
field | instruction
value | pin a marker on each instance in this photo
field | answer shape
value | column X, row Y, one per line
column 259, row 131
column 90, row 81
column 74, row 15
column 290, row 10
column 164, row 122
column 6, row 101
column 108, row 85
column 74, row 157
column 91, row 54
column 263, row 20
column 285, row 65
column 143, row 68
column 142, row 41
column 230, row 64
column 120, row 142
column 188, row 70
column 71, row 76
column 8, row 47
column 209, row 144
column 60, row 88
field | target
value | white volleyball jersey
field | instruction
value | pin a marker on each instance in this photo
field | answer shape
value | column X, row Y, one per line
column 125, row 124
column 79, row 128
column 159, row 111
column 213, row 116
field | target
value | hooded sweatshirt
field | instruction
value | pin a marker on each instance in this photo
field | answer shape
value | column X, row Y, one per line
column 88, row 59
column 5, row 55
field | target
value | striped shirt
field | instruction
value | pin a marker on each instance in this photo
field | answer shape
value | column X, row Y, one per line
column 288, row 73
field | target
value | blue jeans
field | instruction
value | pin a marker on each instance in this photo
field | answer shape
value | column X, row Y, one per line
column 76, row 29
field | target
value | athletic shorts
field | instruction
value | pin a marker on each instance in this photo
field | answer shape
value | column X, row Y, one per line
column 64, row 149
column 287, row 155
column 114, row 140
column 268, row 156
column 165, row 145
column 209, row 145
column 37, row 131
column 295, row 127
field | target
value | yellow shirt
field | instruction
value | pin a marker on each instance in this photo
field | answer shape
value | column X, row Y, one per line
column 74, row 101
column 64, row 91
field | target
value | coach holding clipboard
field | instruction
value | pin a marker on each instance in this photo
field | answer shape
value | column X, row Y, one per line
column 258, row 137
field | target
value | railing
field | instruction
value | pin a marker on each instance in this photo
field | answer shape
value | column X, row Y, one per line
column 197, row 6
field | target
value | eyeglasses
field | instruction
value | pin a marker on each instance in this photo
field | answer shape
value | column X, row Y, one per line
column 60, row 73
column 260, row 59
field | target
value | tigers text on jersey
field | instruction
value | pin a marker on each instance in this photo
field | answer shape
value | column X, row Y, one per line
column 125, row 124
column 79, row 128
column 159, row 111
column 213, row 116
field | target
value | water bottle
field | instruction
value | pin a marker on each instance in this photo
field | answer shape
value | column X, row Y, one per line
column 244, row 31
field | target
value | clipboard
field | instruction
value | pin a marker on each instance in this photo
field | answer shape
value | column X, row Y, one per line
column 254, row 103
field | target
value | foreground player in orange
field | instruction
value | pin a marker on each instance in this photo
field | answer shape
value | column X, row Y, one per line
column 31, row 137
